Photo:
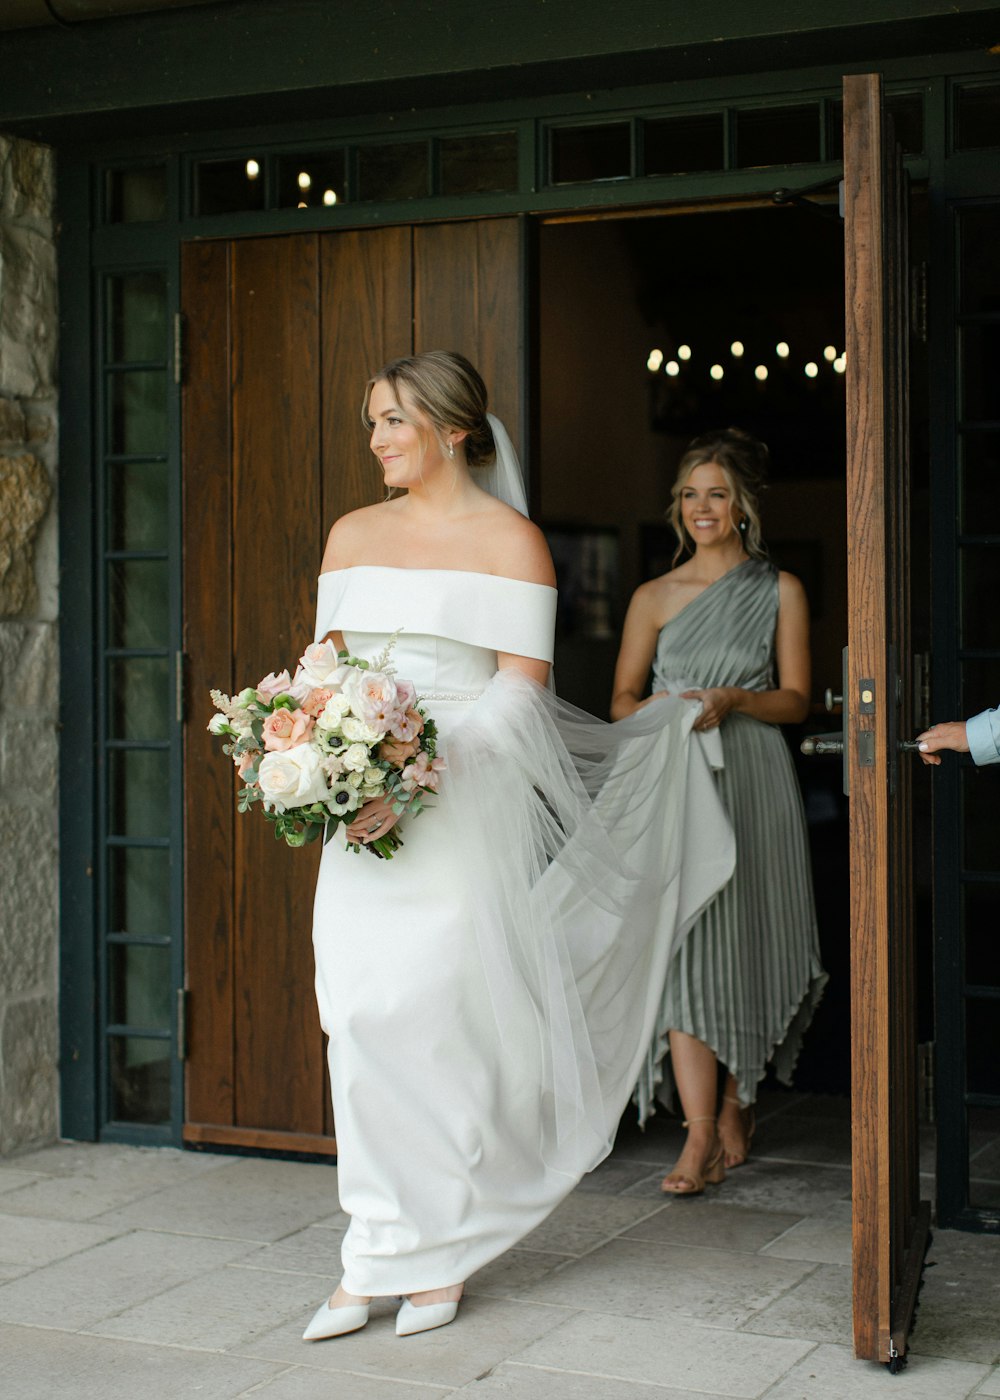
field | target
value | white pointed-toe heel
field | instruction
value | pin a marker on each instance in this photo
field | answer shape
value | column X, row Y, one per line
column 410, row 1319
column 334, row 1322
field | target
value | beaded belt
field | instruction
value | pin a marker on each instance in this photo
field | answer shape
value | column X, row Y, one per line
column 449, row 694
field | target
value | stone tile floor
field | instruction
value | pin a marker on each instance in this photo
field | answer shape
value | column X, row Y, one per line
column 132, row 1272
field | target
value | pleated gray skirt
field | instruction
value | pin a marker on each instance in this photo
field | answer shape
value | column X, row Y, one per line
column 747, row 978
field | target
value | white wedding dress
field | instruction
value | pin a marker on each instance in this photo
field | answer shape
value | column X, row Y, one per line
column 490, row 993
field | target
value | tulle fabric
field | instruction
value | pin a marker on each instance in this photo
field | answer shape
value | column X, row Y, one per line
column 588, row 851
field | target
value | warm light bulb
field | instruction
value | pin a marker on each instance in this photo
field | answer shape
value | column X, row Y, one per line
column 253, row 170
column 761, row 372
column 302, row 204
column 305, row 179
column 716, row 371
column 812, row 369
column 829, row 353
column 655, row 360
column 329, row 196
column 672, row 368
column 781, row 350
column 840, row 364
column 684, row 352
column 736, row 349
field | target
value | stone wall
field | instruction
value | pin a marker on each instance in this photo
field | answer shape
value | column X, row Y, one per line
column 28, row 651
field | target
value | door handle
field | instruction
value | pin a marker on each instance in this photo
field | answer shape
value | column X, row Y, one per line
column 909, row 745
column 821, row 744
column 831, row 700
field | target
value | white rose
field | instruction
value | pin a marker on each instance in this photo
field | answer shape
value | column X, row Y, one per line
column 320, row 666
column 355, row 759
column 354, row 779
column 333, row 712
column 219, row 724
column 356, row 731
column 374, row 777
column 293, row 778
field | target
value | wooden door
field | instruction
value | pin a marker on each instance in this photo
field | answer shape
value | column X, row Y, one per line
column 890, row 1222
column 281, row 335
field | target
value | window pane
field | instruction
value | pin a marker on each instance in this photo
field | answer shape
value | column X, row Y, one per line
column 979, row 472
column 137, row 505
column 138, row 792
column 580, row 153
column 977, row 117
column 980, row 686
column 478, row 164
column 140, row 1080
column 229, row 186
column 675, row 145
column 984, row 1157
column 980, row 369
column 778, row 135
column 136, row 196
column 981, row 813
column 980, row 583
column 137, row 407
column 137, row 317
column 393, row 172
column 139, row 891
column 907, row 112
column 138, row 603
column 979, row 278
column 139, row 698
column 982, row 947
column 982, row 1032
column 139, row 990
column 312, row 179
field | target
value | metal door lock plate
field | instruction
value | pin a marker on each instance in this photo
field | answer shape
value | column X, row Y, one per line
column 866, row 749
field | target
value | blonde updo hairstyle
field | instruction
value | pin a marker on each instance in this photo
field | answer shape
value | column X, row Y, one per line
column 743, row 461
column 448, row 390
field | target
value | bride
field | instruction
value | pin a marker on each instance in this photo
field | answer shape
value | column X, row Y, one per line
column 490, row 993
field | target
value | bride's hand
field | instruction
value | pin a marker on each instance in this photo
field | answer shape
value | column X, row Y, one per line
column 371, row 821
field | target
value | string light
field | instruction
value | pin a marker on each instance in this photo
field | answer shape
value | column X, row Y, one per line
column 761, row 372
column 840, row 364
column 672, row 368
column 829, row 353
column 253, row 169
column 812, row 369
column 684, row 352
column 329, row 196
column 736, row 349
column 716, row 371
column 781, row 350
column 305, row 179
column 655, row 360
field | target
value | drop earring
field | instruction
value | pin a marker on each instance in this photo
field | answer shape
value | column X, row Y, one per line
column 451, row 450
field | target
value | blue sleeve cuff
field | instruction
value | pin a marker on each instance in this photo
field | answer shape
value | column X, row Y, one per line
column 983, row 734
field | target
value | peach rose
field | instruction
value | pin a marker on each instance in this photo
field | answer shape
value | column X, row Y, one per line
column 286, row 729
column 394, row 751
column 245, row 763
column 315, row 701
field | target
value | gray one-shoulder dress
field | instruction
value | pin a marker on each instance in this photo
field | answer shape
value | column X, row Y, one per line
column 747, row 977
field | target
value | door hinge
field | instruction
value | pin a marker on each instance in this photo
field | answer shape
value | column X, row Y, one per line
column 178, row 347
column 918, row 301
column 183, row 1007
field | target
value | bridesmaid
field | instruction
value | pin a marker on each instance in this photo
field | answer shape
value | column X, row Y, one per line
column 728, row 629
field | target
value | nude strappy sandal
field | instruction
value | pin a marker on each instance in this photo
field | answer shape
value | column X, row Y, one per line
column 749, row 1117
column 694, row 1183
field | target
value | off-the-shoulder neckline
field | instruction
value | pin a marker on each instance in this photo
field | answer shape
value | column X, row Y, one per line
column 465, row 573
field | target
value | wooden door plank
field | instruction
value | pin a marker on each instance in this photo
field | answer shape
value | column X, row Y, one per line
column 468, row 295
column 207, row 604
column 868, row 609
column 367, row 320
column 276, row 414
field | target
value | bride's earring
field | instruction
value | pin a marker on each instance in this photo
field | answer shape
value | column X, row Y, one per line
column 451, row 450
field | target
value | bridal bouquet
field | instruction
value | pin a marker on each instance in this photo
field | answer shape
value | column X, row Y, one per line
column 312, row 748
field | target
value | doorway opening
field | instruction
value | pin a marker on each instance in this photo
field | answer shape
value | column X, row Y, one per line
column 652, row 330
